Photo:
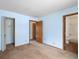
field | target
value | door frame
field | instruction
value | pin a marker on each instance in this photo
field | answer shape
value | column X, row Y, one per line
column 2, row 30
column 64, row 27
column 29, row 28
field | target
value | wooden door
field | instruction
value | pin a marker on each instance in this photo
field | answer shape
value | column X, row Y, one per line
column 39, row 31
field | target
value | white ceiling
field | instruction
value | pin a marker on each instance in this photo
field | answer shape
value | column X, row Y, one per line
column 36, row 7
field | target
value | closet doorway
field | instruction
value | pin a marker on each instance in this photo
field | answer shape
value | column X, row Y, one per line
column 35, row 31
column 8, row 32
column 70, row 32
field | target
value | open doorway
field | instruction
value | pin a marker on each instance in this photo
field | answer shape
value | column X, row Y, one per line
column 32, row 30
column 35, row 31
column 70, row 32
column 8, row 32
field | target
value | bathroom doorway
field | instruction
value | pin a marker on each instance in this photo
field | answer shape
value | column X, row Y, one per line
column 70, row 32
column 8, row 32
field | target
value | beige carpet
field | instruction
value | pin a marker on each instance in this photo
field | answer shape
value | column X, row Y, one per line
column 36, row 51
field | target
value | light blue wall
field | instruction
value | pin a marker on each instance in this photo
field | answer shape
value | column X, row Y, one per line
column 52, row 27
column 21, row 27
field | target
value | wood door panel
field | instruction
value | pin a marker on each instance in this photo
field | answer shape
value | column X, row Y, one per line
column 39, row 31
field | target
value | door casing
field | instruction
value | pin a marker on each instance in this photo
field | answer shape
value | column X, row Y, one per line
column 3, row 43
column 40, row 41
column 30, row 21
column 64, row 28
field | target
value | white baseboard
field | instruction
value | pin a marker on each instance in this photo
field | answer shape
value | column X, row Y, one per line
column 21, row 44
